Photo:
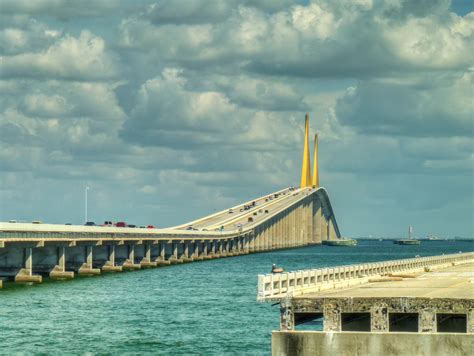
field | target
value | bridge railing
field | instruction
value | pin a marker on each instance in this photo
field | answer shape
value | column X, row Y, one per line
column 278, row 285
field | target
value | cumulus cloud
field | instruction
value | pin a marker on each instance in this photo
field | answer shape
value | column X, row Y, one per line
column 136, row 99
column 408, row 110
column 23, row 35
column 322, row 39
column 169, row 114
column 82, row 58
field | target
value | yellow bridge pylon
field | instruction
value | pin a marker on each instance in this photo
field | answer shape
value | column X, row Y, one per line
column 306, row 179
column 315, row 163
column 306, row 166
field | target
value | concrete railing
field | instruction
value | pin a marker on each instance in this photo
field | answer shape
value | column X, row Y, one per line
column 278, row 285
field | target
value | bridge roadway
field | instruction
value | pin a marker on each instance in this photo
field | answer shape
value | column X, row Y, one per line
column 284, row 219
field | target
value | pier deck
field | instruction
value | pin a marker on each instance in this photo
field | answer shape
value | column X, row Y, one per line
column 390, row 308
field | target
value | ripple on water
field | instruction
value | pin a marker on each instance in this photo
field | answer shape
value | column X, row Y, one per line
column 206, row 308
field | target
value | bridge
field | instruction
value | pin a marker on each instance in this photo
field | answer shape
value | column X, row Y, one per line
column 291, row 217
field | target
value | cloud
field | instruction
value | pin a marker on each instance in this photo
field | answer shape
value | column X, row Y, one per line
column 204, row 101
column 322, row 39
column 409, row 110
column 169, row 114
column 62, row 9
column 22, row 35
column 70, row 58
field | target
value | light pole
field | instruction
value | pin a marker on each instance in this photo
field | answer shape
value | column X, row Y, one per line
column 85, row 207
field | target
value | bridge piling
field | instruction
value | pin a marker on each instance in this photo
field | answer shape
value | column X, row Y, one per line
column 146, row 261
column 25, row 275
column 110, row 265
column 59, row 271
column 129, row 264
column 87, row 268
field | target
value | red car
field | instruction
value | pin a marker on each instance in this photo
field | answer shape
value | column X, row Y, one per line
column 121, row 224
column 150, row 227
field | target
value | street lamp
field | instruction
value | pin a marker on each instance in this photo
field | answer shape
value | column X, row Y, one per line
column 86, row 190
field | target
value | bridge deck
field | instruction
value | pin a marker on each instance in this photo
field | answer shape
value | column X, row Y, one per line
column 450, row 282
column 416, row 306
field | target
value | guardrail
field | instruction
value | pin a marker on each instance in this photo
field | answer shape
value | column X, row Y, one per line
column 278, row 285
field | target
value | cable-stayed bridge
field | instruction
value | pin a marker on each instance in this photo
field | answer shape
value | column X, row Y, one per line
column 291, row 217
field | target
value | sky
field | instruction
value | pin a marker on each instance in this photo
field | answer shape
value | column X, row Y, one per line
column 170, row 110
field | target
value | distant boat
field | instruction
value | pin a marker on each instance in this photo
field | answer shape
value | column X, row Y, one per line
column 340, row 242
column 407, row 242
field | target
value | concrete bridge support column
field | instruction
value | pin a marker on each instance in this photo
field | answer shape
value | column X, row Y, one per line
column 205, row 250
column 316, row 221
column 59, row 271
column 174, row 257
column 293, row 227
column 109, row 265
column 129, row 263
column 427, row 321
column 161, row 259
column 26, row 274
column 228, row 247
column 87, row 268
column 265, row 237
column 246, row 244
column 146, row 260
column 185, row 257
column 309, row 221
column 281, row 237
column 256, row 239
column 379, row 318
column 332, row 231
column 300, row 226
column 240, row 245
column 221, row 248
column 332, row 318
column 212, row 249
column 198, row 251
column 324, row 228
column 252, row 246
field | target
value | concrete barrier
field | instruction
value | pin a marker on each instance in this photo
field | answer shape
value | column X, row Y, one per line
column 276, row 286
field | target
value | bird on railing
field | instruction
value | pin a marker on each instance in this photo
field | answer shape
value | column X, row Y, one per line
column 276, row 269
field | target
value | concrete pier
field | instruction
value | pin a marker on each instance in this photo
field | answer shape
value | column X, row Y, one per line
column 421, row 306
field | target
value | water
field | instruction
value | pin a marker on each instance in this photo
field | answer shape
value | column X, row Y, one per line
column 206, row 308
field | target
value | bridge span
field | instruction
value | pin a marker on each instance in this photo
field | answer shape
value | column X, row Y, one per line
column 284, row 219
column 291, row 217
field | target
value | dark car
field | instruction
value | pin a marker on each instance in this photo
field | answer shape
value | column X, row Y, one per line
column 108, row 223
column 132, row 225
column 89, row 223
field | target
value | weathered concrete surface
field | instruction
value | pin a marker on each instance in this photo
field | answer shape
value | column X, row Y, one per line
column 449, row 282
column 358, row 343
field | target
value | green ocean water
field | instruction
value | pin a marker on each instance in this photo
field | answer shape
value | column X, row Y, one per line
column 204, row 308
